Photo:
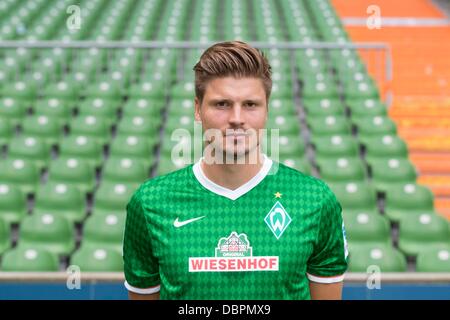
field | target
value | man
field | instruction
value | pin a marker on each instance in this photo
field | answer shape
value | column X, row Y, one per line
column 236, row 224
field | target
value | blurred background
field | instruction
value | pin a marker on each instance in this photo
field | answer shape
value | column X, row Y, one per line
column 91, row 93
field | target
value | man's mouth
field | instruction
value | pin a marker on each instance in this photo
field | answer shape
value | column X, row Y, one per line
column 236, row 133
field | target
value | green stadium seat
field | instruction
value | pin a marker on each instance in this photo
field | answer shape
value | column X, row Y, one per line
column 88, row 67
column 79, row 78
column 8, row 67
column 97, row 57
column 38, row 77
column 282, row 107
column 388, row 172
column 104, row 231
column 405, row 200
column 386, row 146
column 12, row 109
column 13, row 203
column 366, row 228
column 30, row 148
column 21, row 259
column 74, row 85
column 335, row 146
column 24, row 91
column 313, row 71
column 434, row 260
column 350, row 65
column 83, row 148
column 375, row 126
column 6, row 131
column 62, row 90
column 118, row 77
column 287, row 125
column 282, row 78
column 355, row 196
column 289, row 146
column 47, row 231
column 73, row 171
column 138, row 126
column 61, row 200
column 167, row 165
column 132, row 61
column 352, row 78
column 419, row 232
column 363, row 108
column 328, row 126
column 104, row 89
column 91, row 126
column 59, row 54
column 112, row 198
column 5, row 236
column 125, row 66
column 46, row 128
column 387, row 258
column 181, row 107
column 183, row 90
column 365, row 88
column 22, row 174
column 124, row 170
column 322, row 89
column 340, row 56
column 175, row 122
column 281, row 91
column 323, row 107
column 160, row 71
column 147, row 90
column 143, row 108
column 54, row 108
column 99, row 259
column 47, row 65
column 341, row 169
column 133, row 147
column 300, row 164
column 99, row 108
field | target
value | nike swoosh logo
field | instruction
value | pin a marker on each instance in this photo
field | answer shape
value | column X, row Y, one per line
column 178, row 224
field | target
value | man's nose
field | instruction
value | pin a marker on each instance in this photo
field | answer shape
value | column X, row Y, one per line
column 236, row 116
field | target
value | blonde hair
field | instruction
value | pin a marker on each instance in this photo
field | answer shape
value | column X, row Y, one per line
column 234, row 58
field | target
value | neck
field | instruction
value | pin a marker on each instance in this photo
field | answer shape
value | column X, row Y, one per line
column 232, row 176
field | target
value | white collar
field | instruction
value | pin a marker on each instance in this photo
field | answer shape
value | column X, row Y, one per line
column 228, row 193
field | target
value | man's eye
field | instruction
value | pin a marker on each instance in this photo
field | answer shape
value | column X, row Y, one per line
column 221, row 104
column 251, row 104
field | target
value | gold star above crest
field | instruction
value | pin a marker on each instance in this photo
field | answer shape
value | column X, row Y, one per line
column 278, row 195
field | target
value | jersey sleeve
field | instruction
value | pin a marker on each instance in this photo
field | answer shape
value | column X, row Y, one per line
column 140, row 265
column 328, row 262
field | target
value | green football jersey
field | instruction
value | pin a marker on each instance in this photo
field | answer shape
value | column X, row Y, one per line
column 190, row 238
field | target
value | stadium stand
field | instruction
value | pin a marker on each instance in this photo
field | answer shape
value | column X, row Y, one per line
column 80, row 129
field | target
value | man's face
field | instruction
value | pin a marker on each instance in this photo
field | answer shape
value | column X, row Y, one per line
column 238, row 109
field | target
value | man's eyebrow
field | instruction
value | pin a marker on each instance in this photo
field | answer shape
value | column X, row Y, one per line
column 216, row 100
column 256, row 100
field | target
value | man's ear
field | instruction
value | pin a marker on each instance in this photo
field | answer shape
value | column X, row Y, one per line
column 197, row 110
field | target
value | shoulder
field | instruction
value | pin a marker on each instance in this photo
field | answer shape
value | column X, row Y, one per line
column 164, row 184
column 309, row 188
column 298, row 178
